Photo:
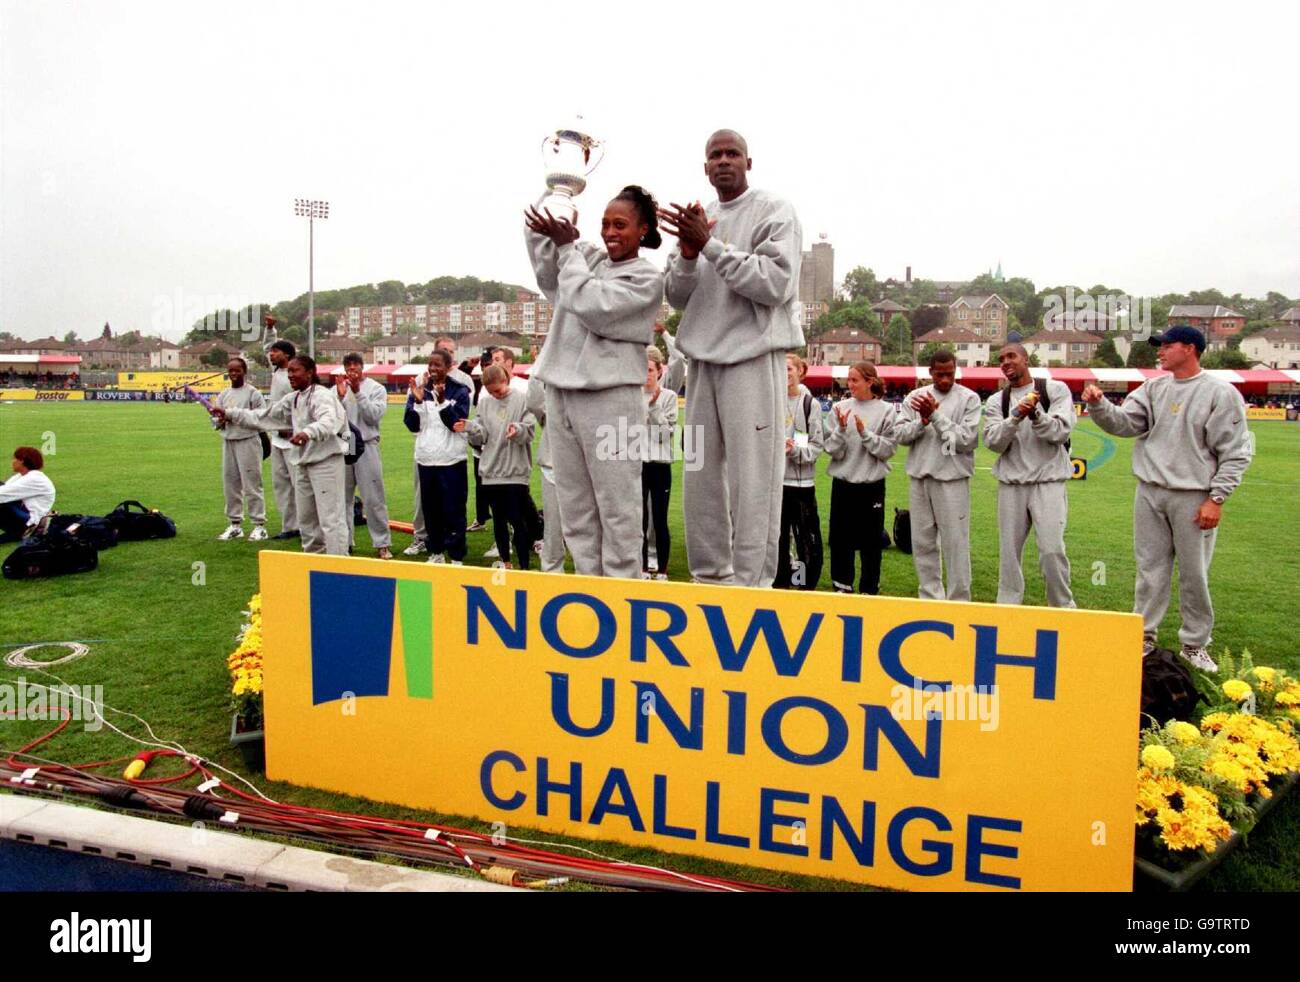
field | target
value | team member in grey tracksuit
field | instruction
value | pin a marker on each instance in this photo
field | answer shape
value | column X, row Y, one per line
column 735, row 276
column 241, row 457
column 805, row 439
column 940, row 423
column 365, row 401
column 594, row 367
column 503, row 430
column 657, row 465
column 316, row 417
column 860, row 442
column 1192, row 449
column 552, row 532
column 281, row 473
column 1032, row 469
column 675, row 373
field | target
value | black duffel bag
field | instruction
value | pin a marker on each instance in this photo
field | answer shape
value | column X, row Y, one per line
column 134, row 522
column 1168, row 689
column 903, row 529
column 50, row 553
column 93, row 531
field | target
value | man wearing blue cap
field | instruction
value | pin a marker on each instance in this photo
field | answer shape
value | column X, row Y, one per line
column 1193, row 447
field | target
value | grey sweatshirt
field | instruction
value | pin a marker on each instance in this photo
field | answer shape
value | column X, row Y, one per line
column 675, row 371
column 801, row 464
column 1191, row 433
column 1030, row 451
column 280, row 388
column 661, row 419
column 365, row 409
column 738, row 298
column 536, row 403
column 604, row 314
column 503, row 461
column 944, row 450
column 315, row 410
column 862, row 457
column 244, row 397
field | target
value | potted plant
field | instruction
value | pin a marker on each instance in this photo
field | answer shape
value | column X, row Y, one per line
column 245, row 665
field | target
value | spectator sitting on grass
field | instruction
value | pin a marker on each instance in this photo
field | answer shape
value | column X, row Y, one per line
column 26, row 498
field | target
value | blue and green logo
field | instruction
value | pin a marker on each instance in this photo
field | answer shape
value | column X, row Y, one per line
column 353, row 629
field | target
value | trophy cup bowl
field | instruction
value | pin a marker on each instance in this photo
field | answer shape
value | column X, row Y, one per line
column 567, row 158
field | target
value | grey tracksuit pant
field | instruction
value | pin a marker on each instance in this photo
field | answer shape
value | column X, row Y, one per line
column 736, row 416
column 420, row 534
column 1044, row 507
column 553, row 533
column 599, row 492
column 941, row 521
column 1164, row 529
column 241, row 474
column 286, row 501
column 322, row 516
column 366, row 476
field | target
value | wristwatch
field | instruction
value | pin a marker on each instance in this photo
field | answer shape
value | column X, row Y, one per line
column 1217, row 499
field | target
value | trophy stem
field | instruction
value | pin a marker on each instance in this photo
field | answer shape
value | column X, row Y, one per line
column 560, row 204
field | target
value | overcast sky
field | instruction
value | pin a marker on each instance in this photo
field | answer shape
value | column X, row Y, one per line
column 150, row 152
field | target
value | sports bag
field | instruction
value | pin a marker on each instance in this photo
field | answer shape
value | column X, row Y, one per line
column 903, row 530
column 1168, row 690
column 49, row 553
column 93, row 531
column 134, row 522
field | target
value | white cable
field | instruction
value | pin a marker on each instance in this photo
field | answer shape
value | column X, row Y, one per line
column 18, row 657
column 157, row 741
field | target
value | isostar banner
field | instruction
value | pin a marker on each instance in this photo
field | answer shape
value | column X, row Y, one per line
column 42, row 395
column 916, row 744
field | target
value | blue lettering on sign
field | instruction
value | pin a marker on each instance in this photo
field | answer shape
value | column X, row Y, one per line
column 485, row 779
column 1042, row 661
column 891, row 651
column 712, row 808
column 477, row 602
column 657, row 705
column 661, row 826
column 605, row 633
column 662, row 637
column 976, row 848
column 616, row 781
column 881, row 720
column 545, row 786
column 834, row 817
column 942, row 850
column 768, row 624
column 564, row 718
column 768, row 819
column 837, row 730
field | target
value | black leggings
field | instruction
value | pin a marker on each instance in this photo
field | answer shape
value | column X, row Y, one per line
column 799, row 518
column 656, row 488
column 857, row 519
column 510, row 511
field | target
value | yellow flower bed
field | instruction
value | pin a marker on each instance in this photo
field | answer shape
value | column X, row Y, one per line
column 245, row 665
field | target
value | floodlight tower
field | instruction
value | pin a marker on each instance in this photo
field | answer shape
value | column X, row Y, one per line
column 312, row 210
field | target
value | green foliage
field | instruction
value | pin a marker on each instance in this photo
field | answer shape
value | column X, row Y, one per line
column 929, row 349
column 216, row 358
column 70, row 337
column 1106, row 354
column 1231, row 358
column 856, row 315
column 861, row 284
column 1141, row 355
column 1034, row 362
column 673, row 320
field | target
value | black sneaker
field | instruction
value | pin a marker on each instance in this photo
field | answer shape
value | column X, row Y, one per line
column 288, row 534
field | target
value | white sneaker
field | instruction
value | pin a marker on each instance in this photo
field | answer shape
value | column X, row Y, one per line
column 499, row 565
column 661, row 576
column 492, row 553
column 646, row 574
column 1199, row 657
column 455, row 562
column 258, row 534
column 437, row 558
column 233, row 532
column 414, row 549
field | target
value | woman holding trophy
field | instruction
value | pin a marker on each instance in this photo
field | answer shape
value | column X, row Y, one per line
column 594, row 367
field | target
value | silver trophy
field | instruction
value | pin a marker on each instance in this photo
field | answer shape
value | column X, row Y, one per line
column 567, row 156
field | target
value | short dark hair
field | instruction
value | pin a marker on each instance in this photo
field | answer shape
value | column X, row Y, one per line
column 442, row 354
column 30, row 458
column 507, row 354
column 284, row 346
column 352, row 358
column 240, row 360
column 943, row 357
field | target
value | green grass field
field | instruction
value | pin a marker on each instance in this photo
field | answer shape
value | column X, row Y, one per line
column 159, row 642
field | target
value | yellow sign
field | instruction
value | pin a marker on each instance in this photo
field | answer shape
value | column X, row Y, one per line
column 397, row 398
column 916, row 744
column 1078, row 469
column 43, row 395
column 1256, row 412
column 157, row 381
